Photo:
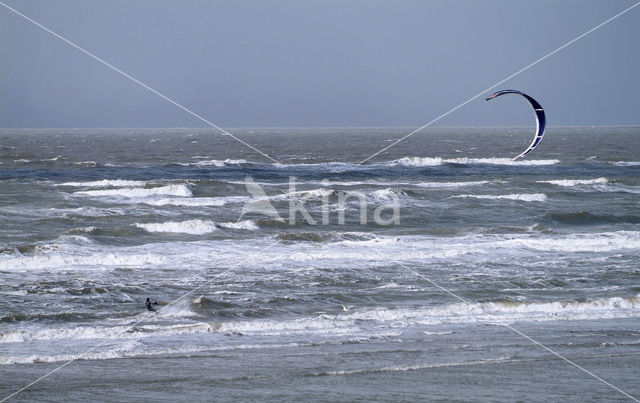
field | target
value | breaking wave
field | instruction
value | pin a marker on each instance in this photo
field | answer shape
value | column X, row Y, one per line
column 436, row 161
column 575, row 182
column 195, row 227
column 104, row 183
column 349, row 322
column 180, row 190
column 244, row 224
column 526, row 197
column 218, row 163
column 188, row 202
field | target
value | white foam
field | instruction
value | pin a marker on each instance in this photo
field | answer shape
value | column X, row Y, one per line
column 53, row 159
column 188, row 202
column 435, row 161
column 302, row 194
column 450, row 184
column 526, row 197
column 476, row 249
column 104, row 183
column 601, row 308
column 73, row 261
column 385, row 194
column 419, row 161
column 374, row 183
column 180, row 190
column 132, row 348
column 19, row 292
column 352, row 321
column 627, row 163
column 602, row 242
column 416, row 367
column 193, row 227
column 218, row 163
column 331, row 166
column 244, row 224
column 575, row 182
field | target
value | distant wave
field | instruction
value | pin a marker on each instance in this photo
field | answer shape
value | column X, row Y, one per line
column 217, row 163
column 195, row 227
column 42, row 261
column 86, row 255
column 435, row 161
column 188, row 202
column 577, row 243
column 450, row 184
column 434, row 184
column 598, row 184
column 417, row 367
column 527, row 197
column 26, row 161
column 575, row 182
column 324, row 236
column 104, row 183
column 508, row 311
column 385, row 195
column 627, row 163
column 586, row 218
column 244, row 224
column 179, row 190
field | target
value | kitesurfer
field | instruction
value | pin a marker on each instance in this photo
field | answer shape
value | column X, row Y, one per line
column 150, row 304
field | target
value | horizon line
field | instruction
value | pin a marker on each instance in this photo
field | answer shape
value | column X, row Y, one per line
column 309, row 127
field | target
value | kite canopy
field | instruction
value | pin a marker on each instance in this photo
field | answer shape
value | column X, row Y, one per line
column 540, row 118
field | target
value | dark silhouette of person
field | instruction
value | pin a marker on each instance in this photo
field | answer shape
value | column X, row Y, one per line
column 150, row 304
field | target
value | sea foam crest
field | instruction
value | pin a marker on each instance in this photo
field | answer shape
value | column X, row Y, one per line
column 69, row 261
column 575, row 182
column 218, row 163
column 526, row 197
column 614, row 307
column 195, row 227
column 435, row 161
column 244, row 224
column 104, row 183
column 448, row 185
column 180, row 190
column 586, row 243
column 188, row 202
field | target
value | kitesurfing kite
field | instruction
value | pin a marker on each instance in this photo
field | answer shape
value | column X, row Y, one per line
column 540, row 118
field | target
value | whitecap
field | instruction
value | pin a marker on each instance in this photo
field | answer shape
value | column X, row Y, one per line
column 193, row 227
column 526, row 197
column 179, row 190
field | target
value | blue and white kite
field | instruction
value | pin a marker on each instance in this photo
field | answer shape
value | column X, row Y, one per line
column 540, row 118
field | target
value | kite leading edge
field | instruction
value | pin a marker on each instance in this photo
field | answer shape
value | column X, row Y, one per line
column 540, row 118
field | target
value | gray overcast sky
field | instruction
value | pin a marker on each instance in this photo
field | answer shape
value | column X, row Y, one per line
column 316, row 63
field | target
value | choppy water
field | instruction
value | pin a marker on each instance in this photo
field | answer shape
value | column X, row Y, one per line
column 94, row 221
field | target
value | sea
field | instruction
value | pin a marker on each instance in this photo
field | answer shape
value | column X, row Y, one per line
column 438, row 270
